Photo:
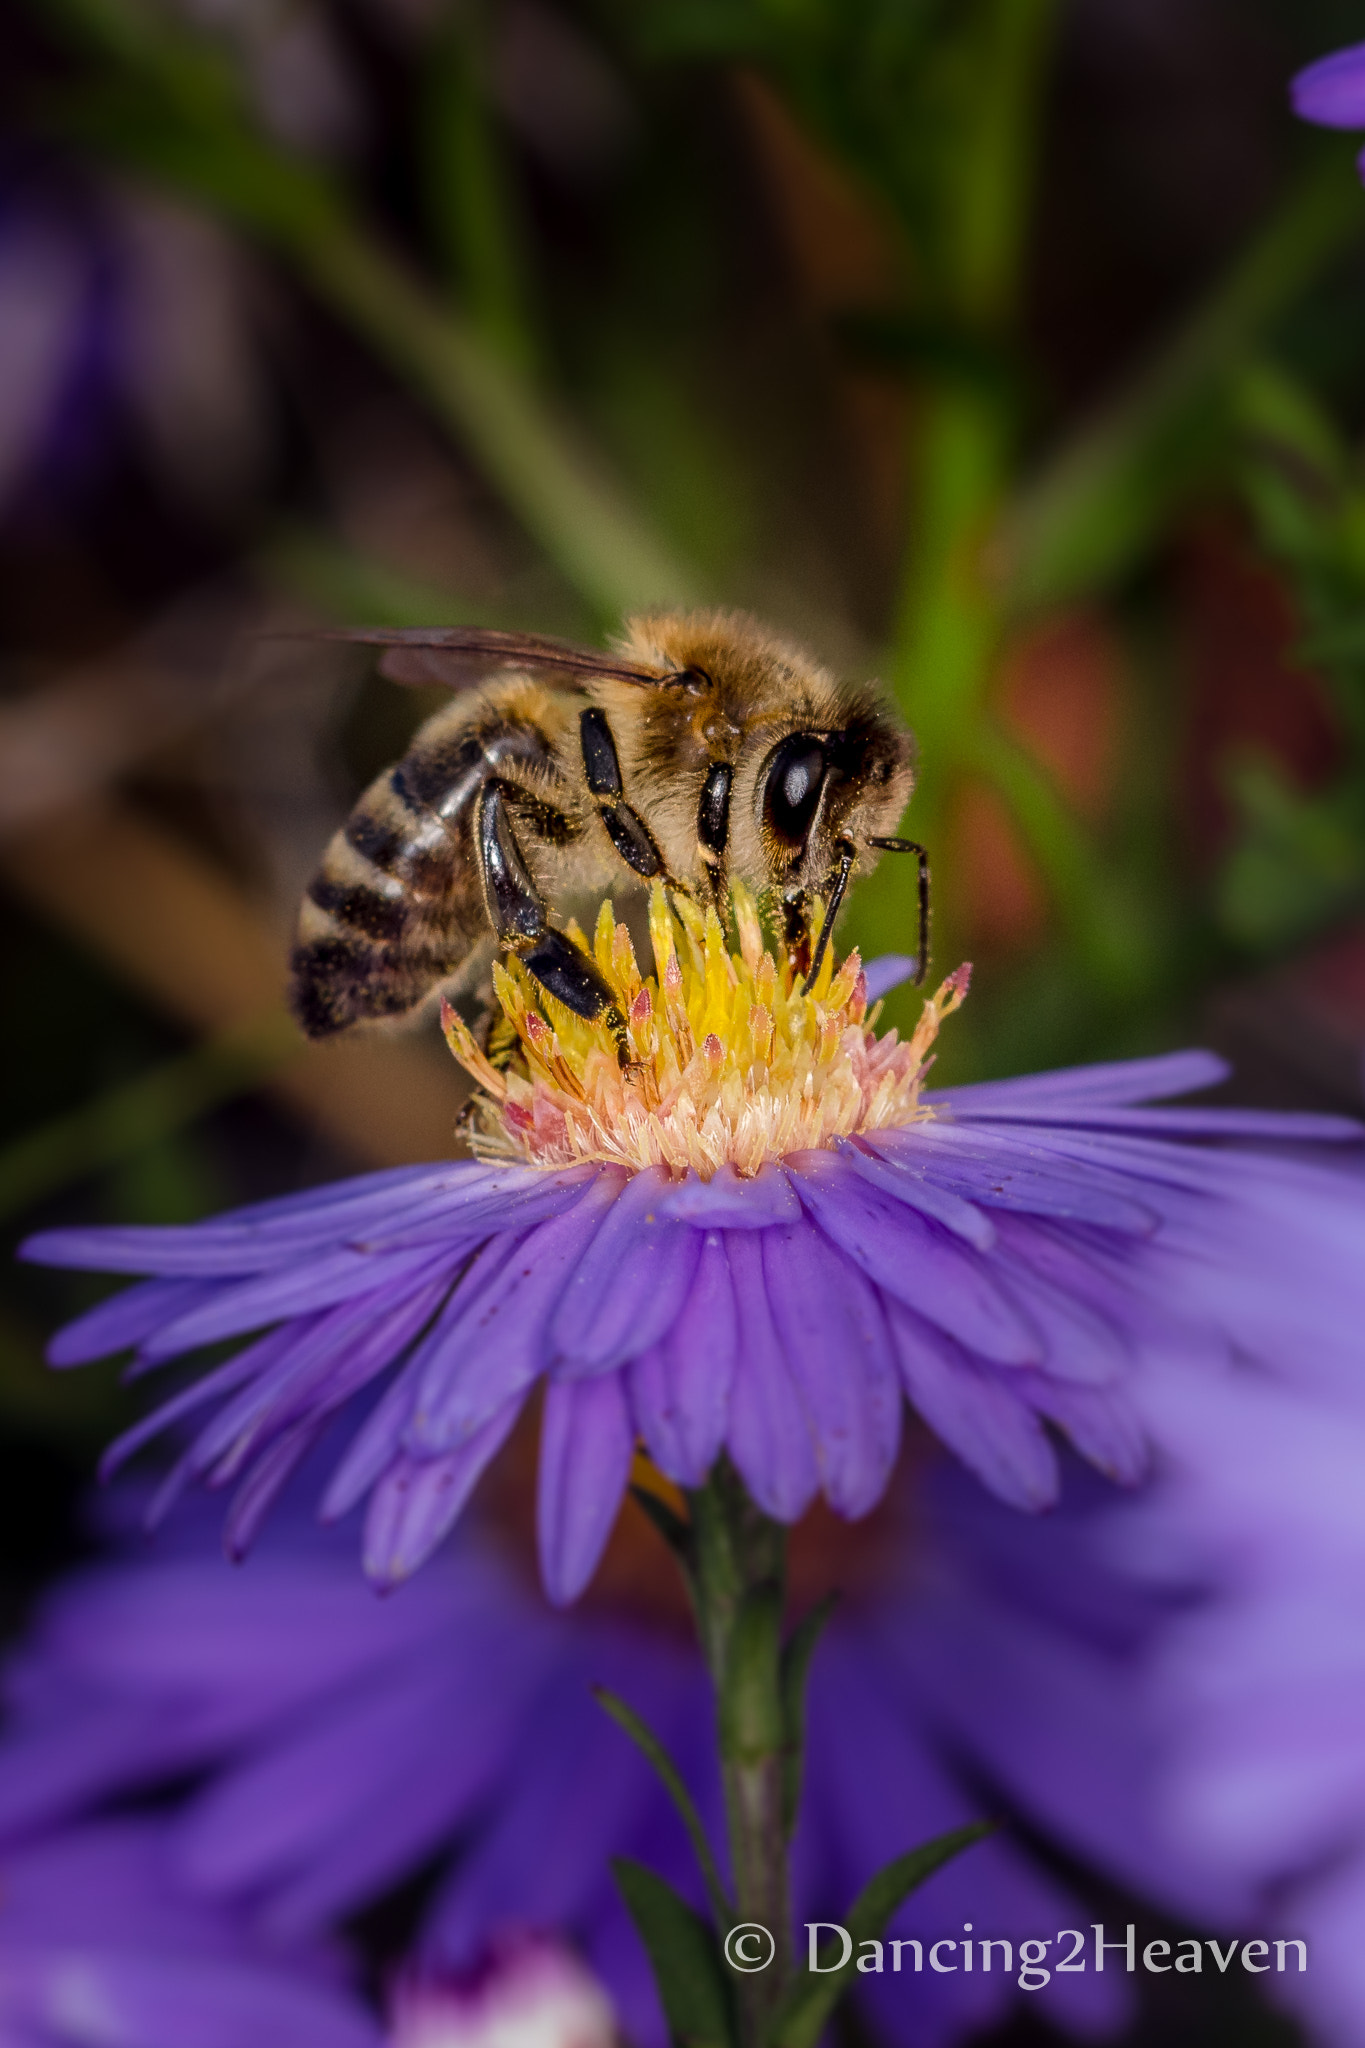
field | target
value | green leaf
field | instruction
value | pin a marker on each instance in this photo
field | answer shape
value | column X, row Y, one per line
column 796, row 1658
column 648, row 1743
column 684, row 1957
column 803, row 2018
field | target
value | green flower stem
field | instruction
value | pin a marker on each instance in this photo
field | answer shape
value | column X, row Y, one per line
column 737, row 1577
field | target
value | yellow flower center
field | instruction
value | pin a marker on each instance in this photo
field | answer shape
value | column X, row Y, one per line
column 730, row 1061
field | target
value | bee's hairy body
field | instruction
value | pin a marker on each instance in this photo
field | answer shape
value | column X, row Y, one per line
column 705, row 748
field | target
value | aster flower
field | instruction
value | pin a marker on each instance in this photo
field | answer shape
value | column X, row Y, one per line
column 1185, row 1673
column 334, row 1745
column 98, row 1945
column 1256, row 1683
column 1332, row 91
column 760, row 1238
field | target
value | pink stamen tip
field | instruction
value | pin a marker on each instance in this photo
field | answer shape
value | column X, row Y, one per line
column 642, row 1008
column 960, row 978
column 537, row 1030
column 713, row 1050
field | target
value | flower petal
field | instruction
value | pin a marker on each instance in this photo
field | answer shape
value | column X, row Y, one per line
column 586, row 1444
column 493, row 1342
column 769, row 1438
column 1332, row 91
column 127, row 1318
column 1107, row 1082
column 916, row 1260
column 1006, row 1169
column 906, row 1181
column 680, row 1390
column 1102, row 1422
column 976, row 1413
column 301, row 1290
column 629, row 1285
column 728, row 1202
column 418, row 1500
column 832, row 1329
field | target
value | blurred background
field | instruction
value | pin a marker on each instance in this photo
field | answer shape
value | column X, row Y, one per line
column 1012, row 351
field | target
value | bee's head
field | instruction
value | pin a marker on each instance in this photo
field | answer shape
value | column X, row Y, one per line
column 819, row 790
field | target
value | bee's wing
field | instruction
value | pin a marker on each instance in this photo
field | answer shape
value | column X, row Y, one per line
column 456, row 656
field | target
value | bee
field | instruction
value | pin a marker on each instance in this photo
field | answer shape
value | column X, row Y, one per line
column 703, row 747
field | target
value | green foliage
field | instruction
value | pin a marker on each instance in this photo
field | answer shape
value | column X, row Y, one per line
column 683, row 1952
column 1299, row 858
column 807, row 2011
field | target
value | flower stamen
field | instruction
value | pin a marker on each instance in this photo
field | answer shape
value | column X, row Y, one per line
column 731, row 1063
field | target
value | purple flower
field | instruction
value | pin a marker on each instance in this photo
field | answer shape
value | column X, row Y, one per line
column 1332, row 91
column 758, row 1238
column 1185, row 1676
column 333, row 1745
column 1257, row 1683
column 99, row 1946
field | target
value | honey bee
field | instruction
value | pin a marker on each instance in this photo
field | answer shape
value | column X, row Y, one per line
column 703, row 747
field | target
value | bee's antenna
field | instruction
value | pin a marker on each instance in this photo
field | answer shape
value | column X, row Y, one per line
column 848, row 853
column 913, row 846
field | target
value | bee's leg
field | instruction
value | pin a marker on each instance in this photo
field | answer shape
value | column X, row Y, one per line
column 796, row 929
column 848, row 853
column 913, row 846
column 626, row 829
column 713, row 828
column 520, row 920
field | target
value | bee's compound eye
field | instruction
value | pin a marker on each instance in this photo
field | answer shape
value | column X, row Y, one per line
column 792, row 790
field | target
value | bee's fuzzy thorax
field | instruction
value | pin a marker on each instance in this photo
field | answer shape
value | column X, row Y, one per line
column 731, row 1064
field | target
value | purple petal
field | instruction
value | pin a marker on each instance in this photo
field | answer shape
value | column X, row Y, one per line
column 317, row 1284
column 903, row 1178
column 680, row 1391
column 915, row 1260
column 1111, row 1082
column 418, row 1500
column 375, row 1445
column 248, row 1240
column 586, row 1445
column 1332, row 91
column 887, row 971
column 262, row 1487
column 510, row 1203
column 332, row 1356
column 1101, row 1422
column 1008, row 1169
column 831, row 1326
column 629, row 1284
column 728, row 1202
column 1270, row 1126
column 257, row 1358
column 769, row 1438
column 976, row 1413
column 126, row 1318
column 1080, row 1345
column 493, row 1342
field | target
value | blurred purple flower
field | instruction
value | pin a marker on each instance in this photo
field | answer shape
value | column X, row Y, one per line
column 1206, row 1644
column 117, row 305
column 1008, row 1262
column 100, row 1949
column 334, row 1745
column 1332, row 91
